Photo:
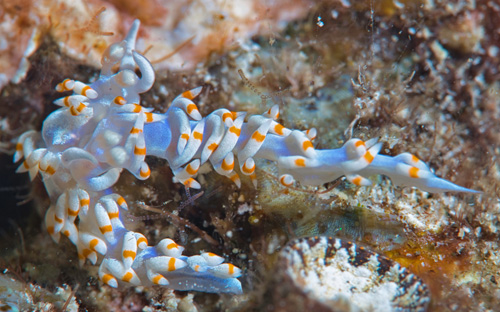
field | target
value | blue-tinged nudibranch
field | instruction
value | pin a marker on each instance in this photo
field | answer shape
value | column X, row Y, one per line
column 102, row 129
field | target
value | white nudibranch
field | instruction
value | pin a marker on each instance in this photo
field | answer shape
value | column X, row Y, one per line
column 102, row 129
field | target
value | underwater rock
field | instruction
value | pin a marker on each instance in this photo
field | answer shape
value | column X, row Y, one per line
column 327, row 274
column 17, row 295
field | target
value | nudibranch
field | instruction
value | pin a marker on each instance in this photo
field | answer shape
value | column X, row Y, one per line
column 102, row 129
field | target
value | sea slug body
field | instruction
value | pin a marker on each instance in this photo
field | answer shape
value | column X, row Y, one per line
column 102, row 129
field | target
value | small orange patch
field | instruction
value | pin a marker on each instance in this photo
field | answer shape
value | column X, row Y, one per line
column 119, row 100
column 414, row 158
column 93, row 243
column 156, row 280
column 50, row 170
column 257, row 136
column 234, row 177
column 66, row 233
column 213, row 146
column 171, row 264
column 247, row 170
column 105, row 229
column 137, row 108
column 357, row 181
column 198, row 135
column 140, row 151
column 413, row 172
column 300, row 162
column 80, row 107
column 190, row 108
column 282, row 180
column 58, row 220
column 279, row 129
column 188, row 182
column 230, row 268
column 227, row 115
column 50, row 229
column 120, row 201
column 84, row 202
column 73, row 213
column 359, row 143
column 113, row 215
column 66, row 101
column 19, row 147
column 227, row 167
column 73, row 111
column 127, row 277
column 149, row 117
column 66, row 81
column 188, row 95
column 368, row 157
column 60, row 87
column 235, row 130
column 85, row 89
column 86, row 253
column 106, row 278
column 190, row 170
column 307, row 144
column 172, row 246
column 135, row 130
column 185, row 136
column 129, row 254
column 141, row 240
column 146, row 173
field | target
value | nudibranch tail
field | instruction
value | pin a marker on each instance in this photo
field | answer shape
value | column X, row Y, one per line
column 102, row 129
